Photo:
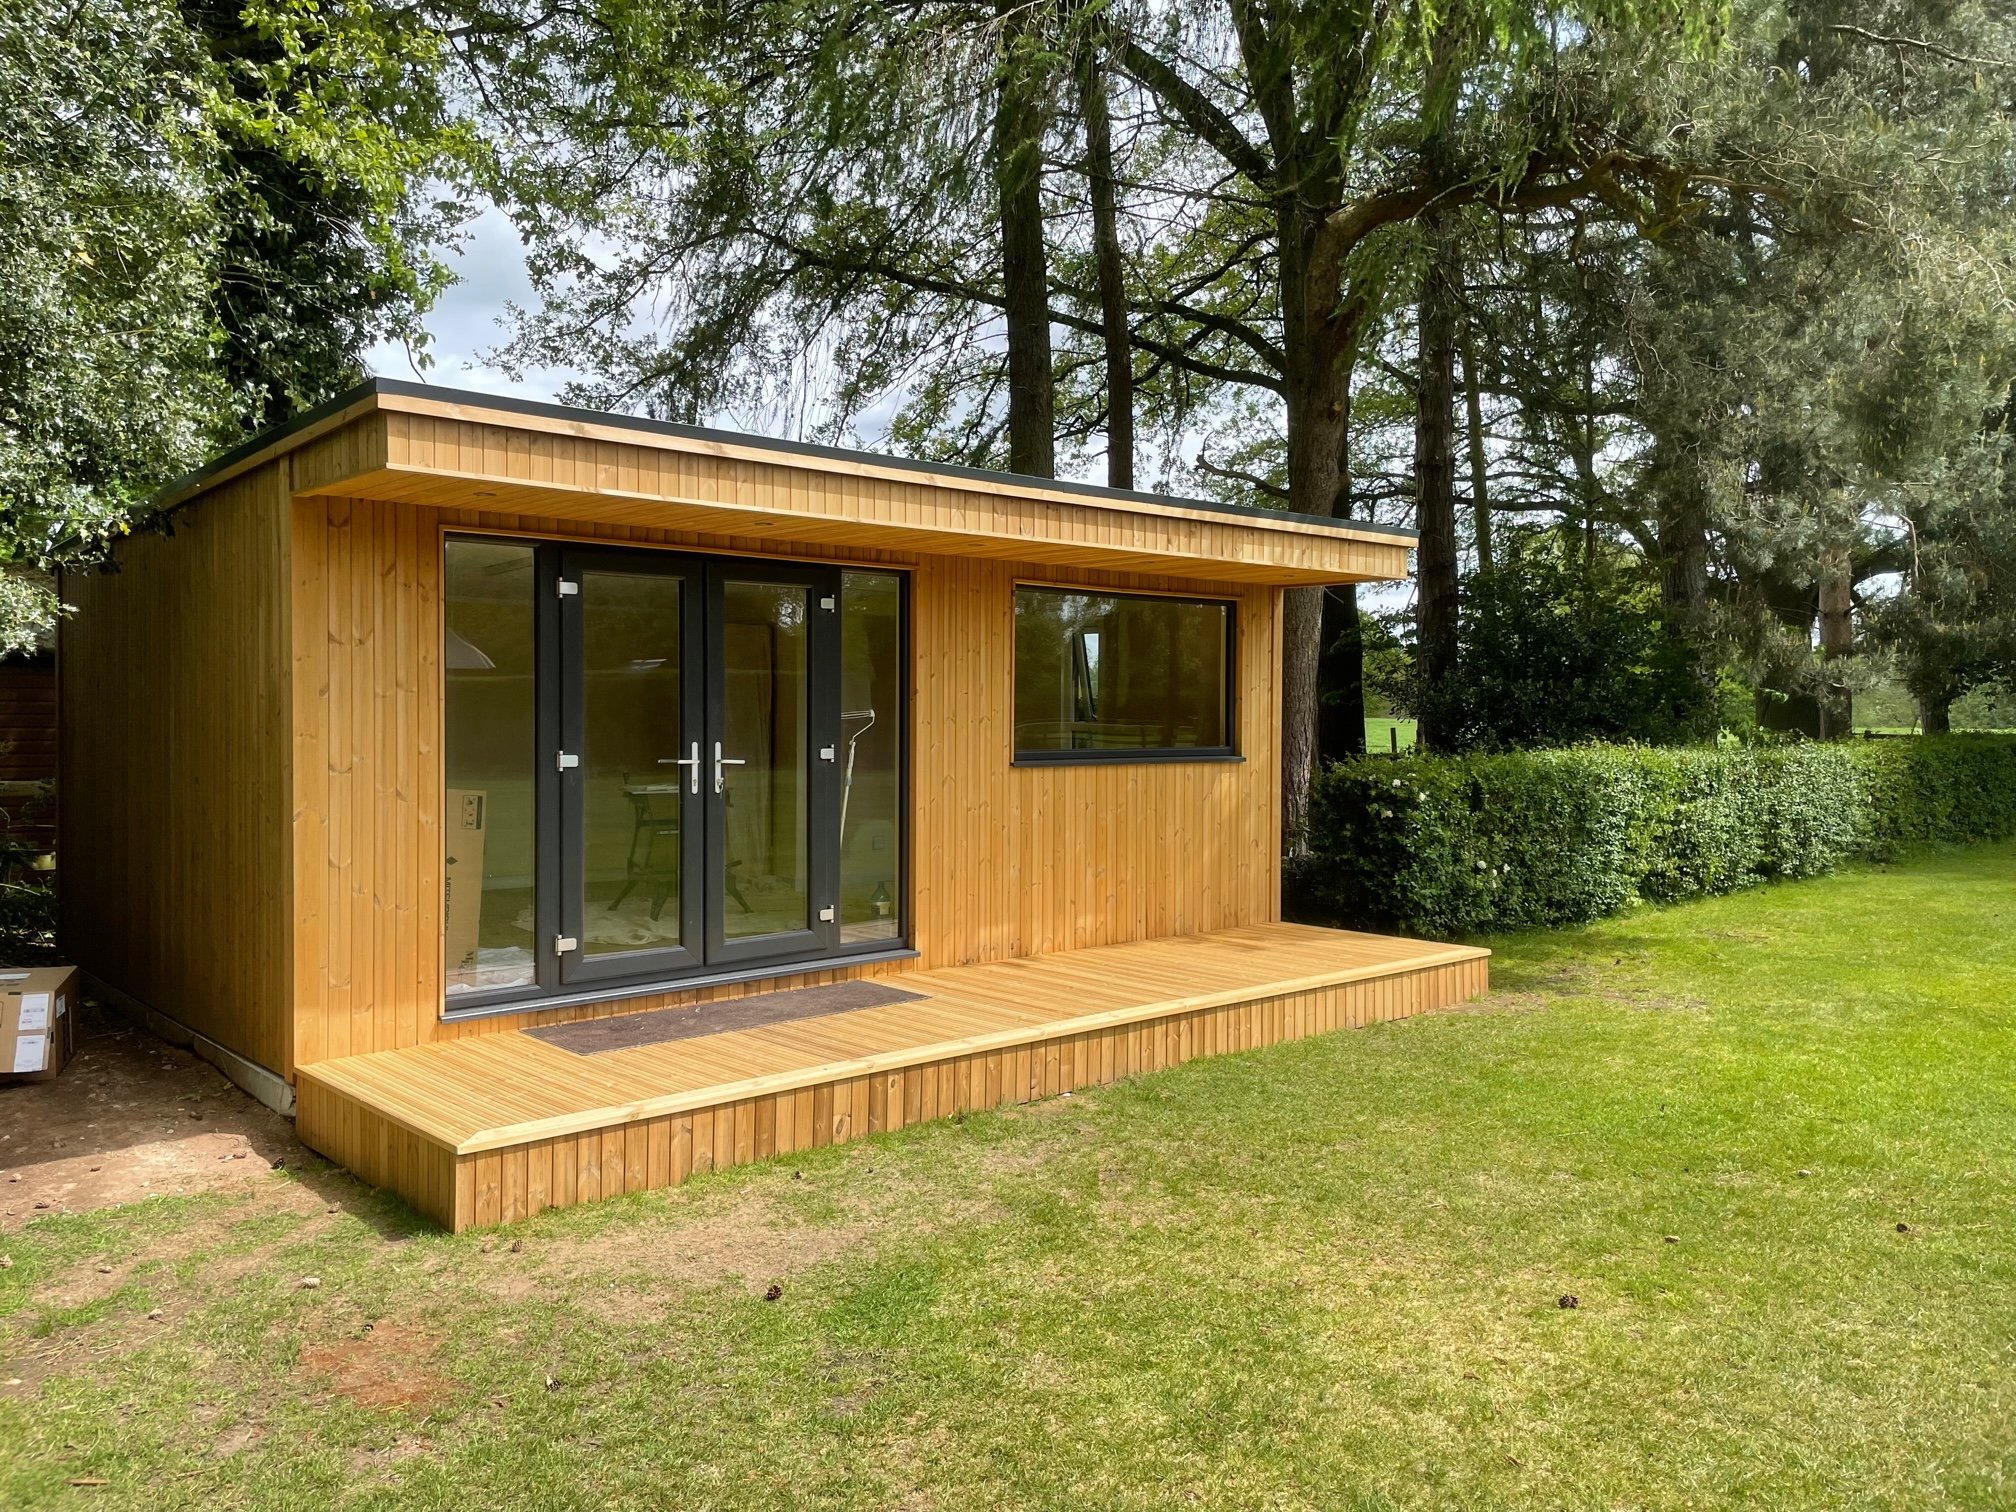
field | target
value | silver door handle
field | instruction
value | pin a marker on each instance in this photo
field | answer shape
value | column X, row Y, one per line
column 720, row 761
column 691, row 763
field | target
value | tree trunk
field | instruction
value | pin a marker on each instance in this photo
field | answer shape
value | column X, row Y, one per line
column 1791, row 598
column 1111, row 272
column 1435, row 486
column 1683, row 552
column 1320, row 339
column 1321, row 318
column 1935, row 717
column 1837, row 639
column 1585, row 460
column 1473, row 433
column 1683, row 582
column 1025, row 275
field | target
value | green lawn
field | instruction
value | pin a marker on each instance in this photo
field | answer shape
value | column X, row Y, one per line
column 1325, row 1274
column 1384, row 734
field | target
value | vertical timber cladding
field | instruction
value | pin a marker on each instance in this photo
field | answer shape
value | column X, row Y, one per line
column 172, row 794
column 1018, row 861
column 1006, row 861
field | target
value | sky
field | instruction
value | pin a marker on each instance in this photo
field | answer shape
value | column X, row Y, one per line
column 469, row 319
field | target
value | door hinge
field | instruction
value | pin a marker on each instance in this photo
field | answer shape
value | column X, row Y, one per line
column 827, row 602
column 567, row 589
column 826, row 915
column 828, row 753
column 564, row 762
column 564, row 943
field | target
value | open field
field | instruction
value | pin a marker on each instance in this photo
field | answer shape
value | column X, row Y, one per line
column 1763, row 1142
column 1387, row 734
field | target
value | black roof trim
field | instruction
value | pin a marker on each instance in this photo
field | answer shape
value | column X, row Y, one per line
column 542, row 409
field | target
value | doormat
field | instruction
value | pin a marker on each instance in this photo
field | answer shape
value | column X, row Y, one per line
column 662, row 1025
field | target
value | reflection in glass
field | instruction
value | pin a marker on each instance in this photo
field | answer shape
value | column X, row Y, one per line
column 871, row 755
column 490, row 764
column 632, row 738
column 1110, row 672
column 766, row 880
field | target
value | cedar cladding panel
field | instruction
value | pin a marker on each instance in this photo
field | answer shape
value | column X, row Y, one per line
column 172, row 792
column 618, row 477
column 1006, row 861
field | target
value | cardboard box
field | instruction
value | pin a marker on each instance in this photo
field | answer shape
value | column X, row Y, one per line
column 462, row 873
column 38, row 1021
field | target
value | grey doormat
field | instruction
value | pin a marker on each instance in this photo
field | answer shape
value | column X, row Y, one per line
column 662, row 1025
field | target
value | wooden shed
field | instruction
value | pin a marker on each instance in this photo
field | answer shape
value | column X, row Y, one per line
column 545, row 804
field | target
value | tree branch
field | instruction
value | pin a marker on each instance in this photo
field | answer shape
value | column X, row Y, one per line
column 1918, row 44
column 1266, row 486
column 1198, row 111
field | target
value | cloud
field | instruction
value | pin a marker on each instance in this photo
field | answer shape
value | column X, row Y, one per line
column 472, row 317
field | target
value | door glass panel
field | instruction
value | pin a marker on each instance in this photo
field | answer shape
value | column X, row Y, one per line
column 765, row 877
column 871, row 756
column 632, row 804
column 490, row 763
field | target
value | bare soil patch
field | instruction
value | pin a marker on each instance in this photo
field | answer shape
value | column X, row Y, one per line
column 131, row 1117
column 387, row 1365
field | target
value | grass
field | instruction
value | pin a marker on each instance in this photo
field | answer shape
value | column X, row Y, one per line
column 1387, row 735
column 1325, row 1274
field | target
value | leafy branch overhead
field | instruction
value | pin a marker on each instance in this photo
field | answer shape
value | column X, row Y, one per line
column 207, row 214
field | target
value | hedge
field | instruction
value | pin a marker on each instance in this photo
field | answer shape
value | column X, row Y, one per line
column 1469, row 844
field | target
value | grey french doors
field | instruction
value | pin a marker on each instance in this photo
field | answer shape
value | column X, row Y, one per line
column 696, row 766
column 660, row 766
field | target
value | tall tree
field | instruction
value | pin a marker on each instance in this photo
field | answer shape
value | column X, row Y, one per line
column 1019, row 125
column 328, row 122
column 1109, row 260
column 1437, row 565
column 108, row 222
column 165, row 172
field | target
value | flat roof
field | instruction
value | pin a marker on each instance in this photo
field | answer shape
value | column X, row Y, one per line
column 278, row 439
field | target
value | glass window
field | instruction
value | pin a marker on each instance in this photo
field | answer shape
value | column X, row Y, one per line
column 1109, row 675
column 871, row 737
column 632, row 676
column 489, row 755
column 766, row 655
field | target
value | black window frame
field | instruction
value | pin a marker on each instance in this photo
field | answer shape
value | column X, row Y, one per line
column 1142, row 755
column 550, row 861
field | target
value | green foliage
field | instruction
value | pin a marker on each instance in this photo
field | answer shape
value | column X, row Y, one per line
column 27, row 918
column 1952, row 788
column 207, row 213
column 326, row 119
column 1465, row 844
column 107, row 219
column 1555, row 648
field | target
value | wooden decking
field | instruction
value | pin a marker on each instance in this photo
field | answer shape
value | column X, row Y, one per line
column 492, row 1128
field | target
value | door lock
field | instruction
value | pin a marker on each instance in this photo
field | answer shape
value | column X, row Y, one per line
column 720, row 761
column 690, row 761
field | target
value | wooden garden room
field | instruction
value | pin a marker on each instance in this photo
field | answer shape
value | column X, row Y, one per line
column 543, row 804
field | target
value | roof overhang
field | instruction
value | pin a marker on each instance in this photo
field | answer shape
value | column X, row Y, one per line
column 445, row 448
